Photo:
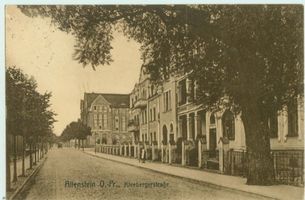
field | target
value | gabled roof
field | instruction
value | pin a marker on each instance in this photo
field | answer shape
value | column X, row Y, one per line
column 115, row 100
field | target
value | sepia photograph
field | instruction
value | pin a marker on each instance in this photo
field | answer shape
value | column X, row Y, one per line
column 152, row 102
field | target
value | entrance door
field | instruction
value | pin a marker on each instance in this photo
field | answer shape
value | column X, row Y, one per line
column 213, row 144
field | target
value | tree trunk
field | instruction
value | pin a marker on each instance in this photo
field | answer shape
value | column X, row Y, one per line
column 31, row 156
column 35, row 144
column 42, row 150
column 23, row 156
column 83, row 145
column 260, row 162
column 15, row 159
column 8, row 162
column 37, row 140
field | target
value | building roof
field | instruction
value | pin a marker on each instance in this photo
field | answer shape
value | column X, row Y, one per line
column 116, row 100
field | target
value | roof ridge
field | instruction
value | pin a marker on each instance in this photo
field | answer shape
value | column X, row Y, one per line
column 107, row 93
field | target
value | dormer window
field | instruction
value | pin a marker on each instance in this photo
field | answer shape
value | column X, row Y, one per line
column 94, row 107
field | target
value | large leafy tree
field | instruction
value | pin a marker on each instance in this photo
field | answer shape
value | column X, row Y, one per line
column 28, row 111
column 27, row 114
column 75, row 130
column 245, row 56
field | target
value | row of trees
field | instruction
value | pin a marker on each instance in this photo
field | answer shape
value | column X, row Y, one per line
column 250, row 54
column 28, row 116
column 77, row 131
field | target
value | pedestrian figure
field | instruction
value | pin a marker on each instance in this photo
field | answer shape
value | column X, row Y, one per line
column 143, row 155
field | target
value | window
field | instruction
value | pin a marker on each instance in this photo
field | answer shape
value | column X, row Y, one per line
column 144, row 93
column 171, row 128
column 212, row 119
column 123, row 123
column 190, row 91
column 293, row 119
column 142, row 117
column 94, row 107
column 116, row 123
column 145, row 116
column 95, row 120
column 228, row 124
column 155, row 136
column 150, row 114
column 100, row 120
column 105, row 121
column 167, row 100
column 154, row 114
column 152, row 90
column 182, row 92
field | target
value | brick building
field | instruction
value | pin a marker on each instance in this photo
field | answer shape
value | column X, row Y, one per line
column 107, row 115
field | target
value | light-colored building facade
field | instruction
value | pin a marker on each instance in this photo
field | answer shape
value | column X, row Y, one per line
column 169, row 114
column 107, row 115
column 153, row 112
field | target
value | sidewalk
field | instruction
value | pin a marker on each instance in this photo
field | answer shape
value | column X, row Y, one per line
column 230, row 182
column 22, row 181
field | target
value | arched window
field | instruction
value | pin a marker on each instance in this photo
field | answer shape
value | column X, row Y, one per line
column 212, row 119
column 171, row 134
column 171, row 128
column 228, row 125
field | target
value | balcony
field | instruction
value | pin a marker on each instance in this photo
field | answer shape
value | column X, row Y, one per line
column 133, row 126
column 140, row 103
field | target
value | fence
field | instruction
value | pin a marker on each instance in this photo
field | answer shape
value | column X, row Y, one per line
column 235, row 163
column 288, row 166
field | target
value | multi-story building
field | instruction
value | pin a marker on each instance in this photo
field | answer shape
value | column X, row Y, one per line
column 138, row 123
column 153, row 112
column 222, row 131
column 169, row 112
column 107, row 115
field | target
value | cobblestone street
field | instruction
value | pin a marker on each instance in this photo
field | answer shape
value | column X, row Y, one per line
column 64, row 166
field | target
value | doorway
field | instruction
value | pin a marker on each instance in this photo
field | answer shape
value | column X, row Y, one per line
column 213, row 143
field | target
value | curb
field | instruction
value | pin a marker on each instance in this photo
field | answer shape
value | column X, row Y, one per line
column 20, row 189
column 202, row 182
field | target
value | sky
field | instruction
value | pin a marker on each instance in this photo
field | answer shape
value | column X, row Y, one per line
column 42, row 51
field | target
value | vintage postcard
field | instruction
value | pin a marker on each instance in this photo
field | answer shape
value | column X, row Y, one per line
column 154, row 102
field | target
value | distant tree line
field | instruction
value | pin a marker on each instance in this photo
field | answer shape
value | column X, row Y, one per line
column 29, row 121
column 77, row 131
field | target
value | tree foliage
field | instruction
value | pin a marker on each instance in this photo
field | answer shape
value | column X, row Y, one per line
column 249, row 57
column 75, row 130
column 28, row 111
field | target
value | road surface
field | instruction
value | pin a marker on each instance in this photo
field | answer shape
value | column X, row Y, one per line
column 72, row 174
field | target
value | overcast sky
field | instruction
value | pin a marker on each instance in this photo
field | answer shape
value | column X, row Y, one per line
column 40, row 50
